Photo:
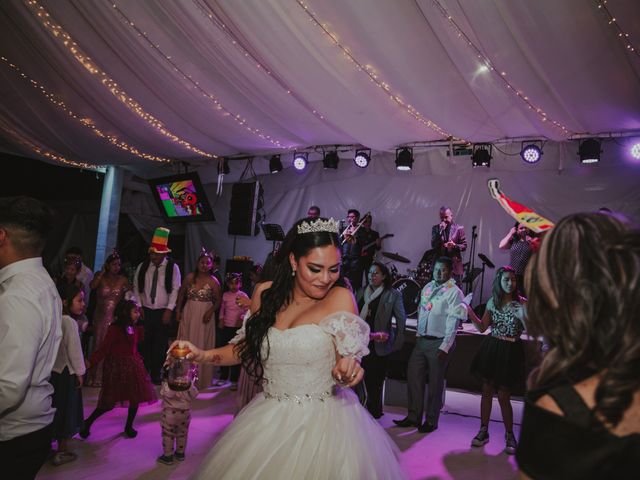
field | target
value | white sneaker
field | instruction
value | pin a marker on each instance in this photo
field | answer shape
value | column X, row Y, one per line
column 510, row 443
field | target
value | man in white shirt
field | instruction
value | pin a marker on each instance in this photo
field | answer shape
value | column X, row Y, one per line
column 440, row 310
column 30, row 333
column 156, row 284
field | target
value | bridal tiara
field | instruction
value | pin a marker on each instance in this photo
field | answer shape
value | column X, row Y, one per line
column 319, row 225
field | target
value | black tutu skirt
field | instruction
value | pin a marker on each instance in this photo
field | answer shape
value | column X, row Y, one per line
column 125, row 382
column 67, row 400
column 499, row 363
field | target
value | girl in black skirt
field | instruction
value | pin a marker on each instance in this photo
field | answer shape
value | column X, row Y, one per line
column 499, row 362
column 66, row 376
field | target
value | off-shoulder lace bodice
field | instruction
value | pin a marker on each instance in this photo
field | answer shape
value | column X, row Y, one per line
column 301, row 358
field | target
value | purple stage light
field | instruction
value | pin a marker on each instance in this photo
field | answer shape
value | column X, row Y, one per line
column 300, row 160
column 635, row 151
column 531, row 154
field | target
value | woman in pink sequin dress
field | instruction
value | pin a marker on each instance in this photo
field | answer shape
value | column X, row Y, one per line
column 110, row 287
column 202, row 292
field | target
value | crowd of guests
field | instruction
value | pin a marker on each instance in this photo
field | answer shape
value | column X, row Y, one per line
column 582, row 301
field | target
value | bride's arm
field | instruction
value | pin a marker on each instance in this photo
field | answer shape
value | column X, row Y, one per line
column 225, row 356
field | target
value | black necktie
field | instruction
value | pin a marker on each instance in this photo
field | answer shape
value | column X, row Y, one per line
column 154, row 285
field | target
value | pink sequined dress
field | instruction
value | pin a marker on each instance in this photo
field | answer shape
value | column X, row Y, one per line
column 193, row 328
column 108, row 298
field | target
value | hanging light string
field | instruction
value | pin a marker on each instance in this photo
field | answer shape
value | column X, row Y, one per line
column 622, row 35
column 46, row 153
column 373, row 75
column 67, row 41
column 84, row 121
column 213, row 18
column 216, row 102
column 502, row 74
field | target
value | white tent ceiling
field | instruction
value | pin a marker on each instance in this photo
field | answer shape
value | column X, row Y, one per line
column 123, row 82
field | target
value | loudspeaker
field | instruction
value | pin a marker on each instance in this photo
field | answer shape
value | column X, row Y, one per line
column 246, row 200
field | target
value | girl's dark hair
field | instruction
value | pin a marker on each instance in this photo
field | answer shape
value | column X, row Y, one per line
column 497, row 293
column 195, row 268
column 231, row 276
column 385, row 271
column 123, row 313
column 279, row 295
column 67, row 293
column 583, row 285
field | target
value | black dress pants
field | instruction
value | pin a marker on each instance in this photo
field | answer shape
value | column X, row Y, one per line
column 23, row 456
column 375, row 368
column 156, row 342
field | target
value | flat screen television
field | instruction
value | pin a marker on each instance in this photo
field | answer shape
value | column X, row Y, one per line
column 181, row 198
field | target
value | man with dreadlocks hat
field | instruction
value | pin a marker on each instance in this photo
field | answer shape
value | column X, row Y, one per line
column 156, row 283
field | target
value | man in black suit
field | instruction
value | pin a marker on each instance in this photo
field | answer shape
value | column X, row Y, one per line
column 448, row 240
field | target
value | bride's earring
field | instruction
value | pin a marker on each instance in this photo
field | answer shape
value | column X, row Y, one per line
column 293, row 273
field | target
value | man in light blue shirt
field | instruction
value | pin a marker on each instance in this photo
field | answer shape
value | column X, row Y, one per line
column 440, row 310
column 30, row 333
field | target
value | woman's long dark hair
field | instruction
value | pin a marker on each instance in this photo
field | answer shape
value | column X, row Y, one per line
column 279, row 295
column 497, row 293
column 583, row 299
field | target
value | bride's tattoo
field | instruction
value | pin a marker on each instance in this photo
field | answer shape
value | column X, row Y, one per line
column 216, row 358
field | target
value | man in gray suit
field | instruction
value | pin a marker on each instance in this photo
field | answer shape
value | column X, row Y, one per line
column 440, row 310
column 379, row 303
column 448, row 240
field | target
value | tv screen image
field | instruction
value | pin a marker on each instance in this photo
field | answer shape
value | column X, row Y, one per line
column 181, row 198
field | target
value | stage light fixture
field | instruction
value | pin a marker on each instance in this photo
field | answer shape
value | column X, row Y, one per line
column 331, row 160
column 275, row 165
column 531, row 153
column 635, row 151
column 300, row 160
column 404, row 158
column 481, row 155
column 589, row 151
column 362, row 158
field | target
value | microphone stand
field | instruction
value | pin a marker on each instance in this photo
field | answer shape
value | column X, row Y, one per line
column 472, row 251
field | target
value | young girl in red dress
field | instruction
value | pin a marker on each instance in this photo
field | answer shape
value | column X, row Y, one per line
column 125, row 381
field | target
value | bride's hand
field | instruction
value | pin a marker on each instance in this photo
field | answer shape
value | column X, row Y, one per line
column 347, row 372
column 194, row 354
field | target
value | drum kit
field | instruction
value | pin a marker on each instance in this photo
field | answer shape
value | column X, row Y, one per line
column 410, row 285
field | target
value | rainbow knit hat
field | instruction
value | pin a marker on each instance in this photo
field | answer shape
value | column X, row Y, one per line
column 160, row 241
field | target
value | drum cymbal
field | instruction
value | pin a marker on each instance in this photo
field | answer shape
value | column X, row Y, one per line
column 397, row 257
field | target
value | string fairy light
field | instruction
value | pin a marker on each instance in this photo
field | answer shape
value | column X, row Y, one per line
column 46, row 153
column 237, row 43
column 84, row 121
column 622, row 35
column 67, row 41
column 373, row 75
column 216, row 102
column 502, row 74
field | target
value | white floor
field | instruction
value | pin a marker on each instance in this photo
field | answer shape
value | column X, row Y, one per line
column 443, row 454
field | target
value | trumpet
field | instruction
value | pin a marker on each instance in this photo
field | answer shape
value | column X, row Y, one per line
column 349, row 233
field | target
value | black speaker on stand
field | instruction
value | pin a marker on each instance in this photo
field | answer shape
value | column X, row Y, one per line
column 246, row 201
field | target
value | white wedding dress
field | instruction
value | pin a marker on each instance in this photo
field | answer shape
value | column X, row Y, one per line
column 302, row 426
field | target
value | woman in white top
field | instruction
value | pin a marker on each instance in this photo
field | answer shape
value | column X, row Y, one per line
column 66, row 376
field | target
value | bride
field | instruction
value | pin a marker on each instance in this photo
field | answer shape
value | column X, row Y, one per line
column 304, row 343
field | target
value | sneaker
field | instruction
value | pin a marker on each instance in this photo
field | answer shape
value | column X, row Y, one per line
column 179, row 456
column 220, row 383
column 510, row 443
column 61, row 458
column 234, row 386
column 482, row 438
column 166, row 459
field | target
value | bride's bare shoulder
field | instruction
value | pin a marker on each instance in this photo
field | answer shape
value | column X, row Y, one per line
column 340, row 299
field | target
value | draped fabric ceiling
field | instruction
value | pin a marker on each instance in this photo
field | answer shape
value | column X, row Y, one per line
column 91, row 81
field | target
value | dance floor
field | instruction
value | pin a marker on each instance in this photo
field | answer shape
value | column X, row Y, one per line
column 443, row 454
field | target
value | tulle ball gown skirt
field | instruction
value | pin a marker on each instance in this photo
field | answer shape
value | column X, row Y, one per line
column 332, row 438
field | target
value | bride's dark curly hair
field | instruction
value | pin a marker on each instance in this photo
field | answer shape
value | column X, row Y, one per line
column 252, row 352
column 583, row 289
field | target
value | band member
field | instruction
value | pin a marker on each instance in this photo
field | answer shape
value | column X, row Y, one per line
column 313, row 213
column 448, row 240
column 353, row 240
column 372, row 243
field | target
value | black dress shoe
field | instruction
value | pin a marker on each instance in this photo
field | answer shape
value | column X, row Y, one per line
column 427, row 428
column 405, row 422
